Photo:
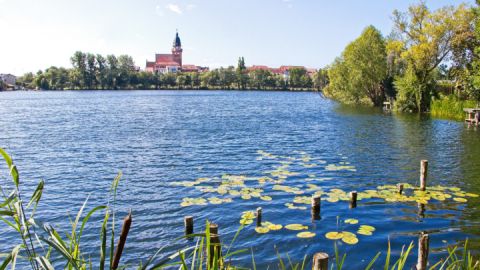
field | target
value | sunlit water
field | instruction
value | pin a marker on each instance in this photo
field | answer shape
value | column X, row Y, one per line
column 78, row 141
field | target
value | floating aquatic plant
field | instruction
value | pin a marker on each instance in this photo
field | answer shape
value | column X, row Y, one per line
column 306, row 234
column 351, row 221
column 296, row 227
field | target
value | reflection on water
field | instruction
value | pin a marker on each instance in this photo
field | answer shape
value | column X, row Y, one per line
column 77, row 141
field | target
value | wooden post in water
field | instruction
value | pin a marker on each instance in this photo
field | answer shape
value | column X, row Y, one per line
column 259, row 216
column 400, row 188
column 423, row 245
column 215, row 247
column 320, row 261
column 188, row 220
column 423, row 174
column 316, row 207
column 353, row 199
column 127, row 222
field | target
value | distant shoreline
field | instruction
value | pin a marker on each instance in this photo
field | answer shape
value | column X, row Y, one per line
column 168, row 89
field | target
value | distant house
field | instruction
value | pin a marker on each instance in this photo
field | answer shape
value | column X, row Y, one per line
column 9, row 79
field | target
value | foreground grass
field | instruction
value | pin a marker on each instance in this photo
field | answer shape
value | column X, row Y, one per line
column 450, row 107
column 38, row 246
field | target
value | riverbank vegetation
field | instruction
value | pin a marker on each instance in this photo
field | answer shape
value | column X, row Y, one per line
column 428, row 57
column 97, row 72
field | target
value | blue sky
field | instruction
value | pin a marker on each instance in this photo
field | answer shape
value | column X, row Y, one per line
column 213, row 32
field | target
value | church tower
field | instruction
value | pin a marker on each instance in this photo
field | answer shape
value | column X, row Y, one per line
column 177, row 50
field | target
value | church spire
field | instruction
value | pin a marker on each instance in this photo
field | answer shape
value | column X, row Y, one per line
column 176, row 41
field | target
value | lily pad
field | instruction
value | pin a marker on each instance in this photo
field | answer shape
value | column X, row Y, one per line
column 306, row 234
column 334, row 235
column 364, row 232
column 266, row 198
column 275, row 227
column 296, row 227
column 351, row 221
column 262, row 229
column 350, row 240
column 367, row 227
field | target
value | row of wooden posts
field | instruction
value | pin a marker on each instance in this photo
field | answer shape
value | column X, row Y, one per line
column 320, row 259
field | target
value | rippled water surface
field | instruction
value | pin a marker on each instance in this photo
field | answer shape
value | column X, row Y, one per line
column 78, row 141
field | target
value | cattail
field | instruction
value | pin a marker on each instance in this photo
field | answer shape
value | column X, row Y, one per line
column 127, row 222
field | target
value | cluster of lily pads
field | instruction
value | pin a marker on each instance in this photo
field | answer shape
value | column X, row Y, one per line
column 346, row 236
column 228, row 187
column 349, row 237
column 267, row 226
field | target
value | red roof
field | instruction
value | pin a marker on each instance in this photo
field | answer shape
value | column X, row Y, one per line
column 163, row 58
column 150, row 64
column 285, row 68
column 254, row 67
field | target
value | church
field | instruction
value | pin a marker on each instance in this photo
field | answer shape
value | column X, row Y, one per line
column 172, row 63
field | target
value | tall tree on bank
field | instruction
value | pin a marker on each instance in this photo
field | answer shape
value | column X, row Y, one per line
column 428, row 40
column 358, row 76
column 475, row 77
column 242, row 77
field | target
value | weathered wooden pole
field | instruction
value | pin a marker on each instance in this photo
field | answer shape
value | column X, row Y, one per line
column 320, row 261
column 353, row 199
column 423, row 174
column 215, row 247
column 400, row 188
column 127, row 222
column 316, row 207
column 423, row 245
column 259, row 217
column 188, row 220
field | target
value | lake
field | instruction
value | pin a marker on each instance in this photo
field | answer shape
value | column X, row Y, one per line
column 163, row 141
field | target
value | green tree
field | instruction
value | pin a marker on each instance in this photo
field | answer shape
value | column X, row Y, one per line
column 242, row 76
column 320, row 79
column 475, row 76
column 359, row 75
column 79, row 64
column 102, row 71
column 428, row 39
column 113, row 72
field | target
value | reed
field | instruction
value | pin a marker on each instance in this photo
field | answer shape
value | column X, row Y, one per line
column 450, row 107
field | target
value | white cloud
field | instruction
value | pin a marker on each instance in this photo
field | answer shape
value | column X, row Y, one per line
column 191, row 6
column 174, row 8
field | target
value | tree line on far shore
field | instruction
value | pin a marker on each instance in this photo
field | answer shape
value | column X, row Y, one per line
column 98, row 72
column 429, row 55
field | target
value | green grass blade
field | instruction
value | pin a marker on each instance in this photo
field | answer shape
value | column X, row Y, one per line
column 387, row 258
column 369, row 266
column 280, row 261
column 6, row 157
column 103, row 236
column 304, row 262
column 6, row 262
column 77, row 219
column 45, row 263
column 37, row 194
column 233, row 240
column 10, row 224
column 87, row 217
column 253, row 260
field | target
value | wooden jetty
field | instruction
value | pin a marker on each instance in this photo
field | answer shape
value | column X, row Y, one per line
column 387, row 106
column 472, row 115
